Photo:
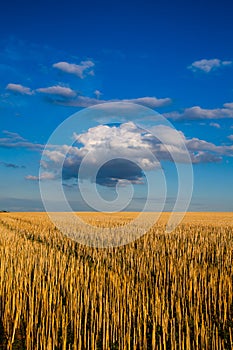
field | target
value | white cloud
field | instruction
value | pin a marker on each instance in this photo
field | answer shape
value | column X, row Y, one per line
column 196, row 144
column 215, row 125
column 81, row 101
column 207, row 66
column 91, row 72
column 44, row 176
column 76, row 69
column 151, row 102
column 198, row 113
column 228, row 105
column 58, row 90
column 84, row 101
column 121, row 143
column 127, row 141
column 98, row 94
column 19, row 89
column 230, row 137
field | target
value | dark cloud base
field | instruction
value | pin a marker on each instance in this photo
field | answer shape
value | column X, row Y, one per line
column 119, row 169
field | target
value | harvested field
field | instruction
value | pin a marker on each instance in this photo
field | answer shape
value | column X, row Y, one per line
column 162, row 291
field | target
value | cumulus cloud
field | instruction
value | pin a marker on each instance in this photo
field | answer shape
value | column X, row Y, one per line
column 131, row 150
column 207, row 65
column 80, row 70
column 205, row 157
column 199, row 113
column 84, row 101
column 61, row 91
column 20, row 89
column 196, row 145
column 124, row 144
column 230, row 137
column 58, row 90
column 121, row 143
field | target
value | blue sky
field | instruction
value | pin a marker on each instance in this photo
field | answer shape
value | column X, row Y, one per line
column 58, row 57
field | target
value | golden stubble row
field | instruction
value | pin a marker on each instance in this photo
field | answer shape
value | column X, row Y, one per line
column 163, row 291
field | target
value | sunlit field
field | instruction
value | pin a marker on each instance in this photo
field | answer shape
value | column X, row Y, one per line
column 162, row 291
